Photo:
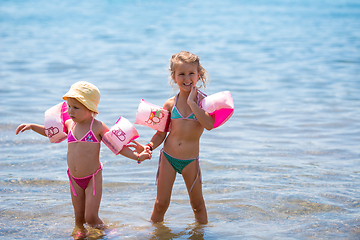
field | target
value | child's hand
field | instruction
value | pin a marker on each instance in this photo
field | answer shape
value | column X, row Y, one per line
column 192, row 95
column 137, row 146
column 22, row 128
column 143, row 156
column 40, row 129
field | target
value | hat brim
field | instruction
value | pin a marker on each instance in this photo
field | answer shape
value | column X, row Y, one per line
column 87, row 103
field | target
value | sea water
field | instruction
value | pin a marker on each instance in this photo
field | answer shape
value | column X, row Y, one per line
column 285, row 166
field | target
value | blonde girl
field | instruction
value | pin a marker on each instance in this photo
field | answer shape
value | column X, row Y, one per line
column 180, row 151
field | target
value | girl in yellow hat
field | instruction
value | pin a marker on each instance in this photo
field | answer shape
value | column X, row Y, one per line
column 84, row 137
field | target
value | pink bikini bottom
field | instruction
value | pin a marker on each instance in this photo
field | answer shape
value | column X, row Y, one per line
column 84, row 181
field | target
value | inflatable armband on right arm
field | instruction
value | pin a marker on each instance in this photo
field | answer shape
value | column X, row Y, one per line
column 219, row 105
column 119, row 135
column 153, row 116
column 54, row 122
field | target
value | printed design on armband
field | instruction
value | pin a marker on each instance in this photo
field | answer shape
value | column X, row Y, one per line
column 155, row 117
column 120, row 134
column 51, row 131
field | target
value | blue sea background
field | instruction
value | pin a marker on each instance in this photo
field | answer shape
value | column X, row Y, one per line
column 285, row 166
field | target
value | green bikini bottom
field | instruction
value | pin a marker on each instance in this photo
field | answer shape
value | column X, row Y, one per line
column 179, row 165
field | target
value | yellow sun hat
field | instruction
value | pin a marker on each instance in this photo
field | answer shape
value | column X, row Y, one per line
column 86, row 93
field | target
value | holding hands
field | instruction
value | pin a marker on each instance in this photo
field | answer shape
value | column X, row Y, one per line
column 143, row 151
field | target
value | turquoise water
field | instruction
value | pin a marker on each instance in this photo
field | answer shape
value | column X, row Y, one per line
column 285, row 166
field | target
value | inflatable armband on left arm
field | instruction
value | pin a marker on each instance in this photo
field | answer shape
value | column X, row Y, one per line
column 54, row 122
column 153, row 116
column 219, row 105
column 119, row 135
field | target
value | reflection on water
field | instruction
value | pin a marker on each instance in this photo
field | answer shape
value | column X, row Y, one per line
column 162, row 232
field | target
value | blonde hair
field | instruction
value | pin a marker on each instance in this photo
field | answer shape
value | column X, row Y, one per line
column 188, row 57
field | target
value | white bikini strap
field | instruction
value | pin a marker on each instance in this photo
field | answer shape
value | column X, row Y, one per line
column 198, row 174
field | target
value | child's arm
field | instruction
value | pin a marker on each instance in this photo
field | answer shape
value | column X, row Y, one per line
column 202, row 116
column 159, row 137
column 156, row 140
column 40, row 129
column 127, row 152
column 68, row 124
column 137, row 146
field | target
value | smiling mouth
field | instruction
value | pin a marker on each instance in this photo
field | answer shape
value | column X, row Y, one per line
column 189, row 84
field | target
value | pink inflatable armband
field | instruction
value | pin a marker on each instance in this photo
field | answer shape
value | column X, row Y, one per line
column 54, row 122
column 119, row 135
column 220, row 105
column 153, row 116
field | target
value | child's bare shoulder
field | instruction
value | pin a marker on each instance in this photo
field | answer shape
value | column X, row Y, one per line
column 99, row 127
column 168, row 105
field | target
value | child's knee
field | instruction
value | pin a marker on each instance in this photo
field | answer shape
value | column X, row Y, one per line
column 198, row 206
column 161, row 205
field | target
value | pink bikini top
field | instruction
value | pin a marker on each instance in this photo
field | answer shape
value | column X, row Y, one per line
column 88, row 137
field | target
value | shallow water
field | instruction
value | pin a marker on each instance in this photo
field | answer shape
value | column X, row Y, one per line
column 285, row 166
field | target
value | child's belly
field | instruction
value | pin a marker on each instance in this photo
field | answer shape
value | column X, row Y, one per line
column 83, row 158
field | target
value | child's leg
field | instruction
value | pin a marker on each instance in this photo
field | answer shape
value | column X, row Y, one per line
column 78, row 204
column 165, row 183
column 190, row 173
column 92, row 202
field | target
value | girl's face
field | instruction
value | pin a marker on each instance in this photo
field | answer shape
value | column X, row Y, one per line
column 186, row 75
column 77, row 111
